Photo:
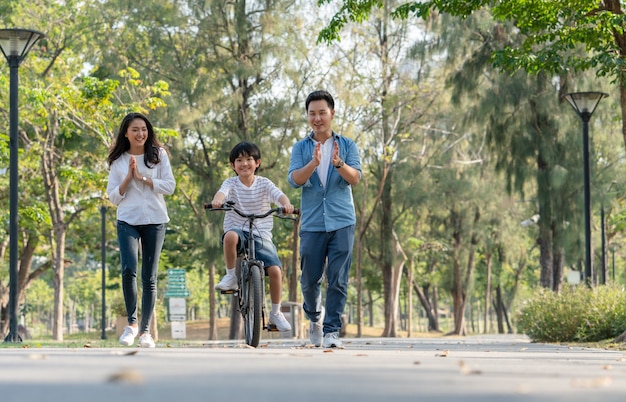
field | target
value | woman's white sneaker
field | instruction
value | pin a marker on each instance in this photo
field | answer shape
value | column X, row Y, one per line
column 128, row 336
column 146, row 341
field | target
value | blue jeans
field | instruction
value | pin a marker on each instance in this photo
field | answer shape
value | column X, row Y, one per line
column 152, row 237
column 333, row 250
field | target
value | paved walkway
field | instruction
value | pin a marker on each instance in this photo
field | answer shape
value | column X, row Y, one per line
column 476, row 368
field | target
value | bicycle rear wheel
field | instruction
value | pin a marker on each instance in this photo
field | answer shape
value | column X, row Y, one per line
column 254, row 303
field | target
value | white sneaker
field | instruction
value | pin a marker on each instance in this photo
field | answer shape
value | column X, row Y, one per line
column 146, row 341
column 228, row 282
column 331, row 340
column 128, row 336
column 280, row 321
column 316, row 330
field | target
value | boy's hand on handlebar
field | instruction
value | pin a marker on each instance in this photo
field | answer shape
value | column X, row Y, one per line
column 288, row 208
column 217, row 201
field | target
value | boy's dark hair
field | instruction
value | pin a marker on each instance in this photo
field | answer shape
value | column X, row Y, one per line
column 320, row 95
column 245, row 149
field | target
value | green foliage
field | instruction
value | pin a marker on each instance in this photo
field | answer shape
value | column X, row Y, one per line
column 577, row 314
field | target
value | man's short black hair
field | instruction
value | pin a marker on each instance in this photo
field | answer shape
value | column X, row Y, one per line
column 320, row 95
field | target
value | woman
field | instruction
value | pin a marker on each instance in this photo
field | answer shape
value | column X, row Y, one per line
column 139, row 175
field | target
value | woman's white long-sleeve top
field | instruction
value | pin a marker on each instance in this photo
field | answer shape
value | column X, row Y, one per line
column 141, row 204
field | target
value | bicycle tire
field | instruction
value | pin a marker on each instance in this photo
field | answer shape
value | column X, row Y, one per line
column 254, row 302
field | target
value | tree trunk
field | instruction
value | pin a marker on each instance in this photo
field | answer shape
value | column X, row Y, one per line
column 295, row 267
column 499, row 307
column 236, row 323
column 212, row 304
column 457, row 291
column 429, row 309
column 487, row 294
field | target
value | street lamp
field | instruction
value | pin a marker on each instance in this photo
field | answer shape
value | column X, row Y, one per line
column 585, row 103
column 15, row 45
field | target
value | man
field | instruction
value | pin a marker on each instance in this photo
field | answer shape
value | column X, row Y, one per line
column 325, row 165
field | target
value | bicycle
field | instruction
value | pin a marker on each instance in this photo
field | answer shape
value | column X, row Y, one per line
column 251, row 277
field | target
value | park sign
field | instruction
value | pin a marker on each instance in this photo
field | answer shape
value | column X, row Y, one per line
column 176, row 283
column 176, row 272
column 176, row 293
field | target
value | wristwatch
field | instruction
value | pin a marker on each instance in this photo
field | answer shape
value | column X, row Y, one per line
column 144, row 178
column 340, row 164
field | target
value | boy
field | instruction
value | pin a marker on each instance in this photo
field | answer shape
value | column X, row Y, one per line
column 252, row 194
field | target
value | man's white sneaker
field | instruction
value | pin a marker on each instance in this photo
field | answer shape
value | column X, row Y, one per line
column 146, row 341
column 316, row 331
column 128, row 336
column 228, row 282
column 331, row 340
column 280, row 321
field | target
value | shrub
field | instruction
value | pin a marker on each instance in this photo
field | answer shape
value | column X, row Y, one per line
column 578, row 314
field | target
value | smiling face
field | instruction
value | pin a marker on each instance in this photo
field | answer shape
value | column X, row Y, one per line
column 137, row 134
column 245, row 166
column 320, row 116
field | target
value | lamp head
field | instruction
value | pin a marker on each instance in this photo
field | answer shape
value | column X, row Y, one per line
column 15, row 43
column 584, row 103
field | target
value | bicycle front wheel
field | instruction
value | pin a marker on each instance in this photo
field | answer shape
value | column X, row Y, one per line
column 254, row 296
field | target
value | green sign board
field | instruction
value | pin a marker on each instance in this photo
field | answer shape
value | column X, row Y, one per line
column 176, row 272
column 176, row 293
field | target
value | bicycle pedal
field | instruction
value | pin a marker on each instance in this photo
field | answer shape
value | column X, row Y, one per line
column 272, row 328
column 229, row 292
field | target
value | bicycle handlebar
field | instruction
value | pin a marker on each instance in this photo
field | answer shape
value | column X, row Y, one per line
column 230, row 206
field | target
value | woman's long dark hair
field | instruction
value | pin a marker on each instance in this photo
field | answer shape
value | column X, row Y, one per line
column 121, row 145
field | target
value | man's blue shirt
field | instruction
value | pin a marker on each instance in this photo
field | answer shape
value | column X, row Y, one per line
column 325, row 209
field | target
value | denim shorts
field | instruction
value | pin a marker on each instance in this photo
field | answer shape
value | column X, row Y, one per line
column 264, row 248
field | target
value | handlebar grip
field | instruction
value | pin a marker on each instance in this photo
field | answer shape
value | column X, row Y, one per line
column 296, row 211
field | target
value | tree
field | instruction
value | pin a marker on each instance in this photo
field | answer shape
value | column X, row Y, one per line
column 557, row 37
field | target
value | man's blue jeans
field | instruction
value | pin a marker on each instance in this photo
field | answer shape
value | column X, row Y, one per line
column 152, row 237
column 333, row 251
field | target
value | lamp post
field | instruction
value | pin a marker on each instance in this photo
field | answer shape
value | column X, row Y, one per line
column 585, row 103
column 103, row 212
column 15, row 45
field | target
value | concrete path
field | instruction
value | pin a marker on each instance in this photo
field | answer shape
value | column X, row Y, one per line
column 476, row 368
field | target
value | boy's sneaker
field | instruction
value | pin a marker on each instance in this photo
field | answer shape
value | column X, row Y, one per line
column 228, row 282
column 316, row 330
column 280, row 321
column 146, row 341
column 128, row 336
column 331, row 340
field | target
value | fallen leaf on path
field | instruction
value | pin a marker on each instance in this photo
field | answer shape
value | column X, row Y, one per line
column 37, row 356
column 465, row 370
column 600, row 382
column 127, row 376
